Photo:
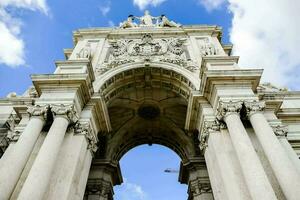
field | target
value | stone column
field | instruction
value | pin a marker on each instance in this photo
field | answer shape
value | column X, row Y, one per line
column 281, row 133
column 220, row 144
column 285, row 171
column 255, row 177
column 11, row 166
column 99, row 189
column 72, row 162
column 38, row 178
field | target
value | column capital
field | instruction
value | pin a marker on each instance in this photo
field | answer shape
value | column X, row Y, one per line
column 38, row 111
column 198, row 187
column 254, row 106
column 280, row 130
column 99, row 187
column 226, row 108
column 84, row 128
column 208, row 127
column 66, row 111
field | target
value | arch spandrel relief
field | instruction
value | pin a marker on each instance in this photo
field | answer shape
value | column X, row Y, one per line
column 146, row 49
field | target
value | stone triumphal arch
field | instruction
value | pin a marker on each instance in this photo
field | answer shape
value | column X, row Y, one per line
column 150, row 81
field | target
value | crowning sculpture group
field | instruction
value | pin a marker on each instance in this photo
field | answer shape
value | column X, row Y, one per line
column 148, row 21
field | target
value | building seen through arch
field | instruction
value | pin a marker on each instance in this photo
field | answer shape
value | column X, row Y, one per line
column 150, row 81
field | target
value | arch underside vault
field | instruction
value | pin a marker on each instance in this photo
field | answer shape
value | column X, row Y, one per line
column 147, row 106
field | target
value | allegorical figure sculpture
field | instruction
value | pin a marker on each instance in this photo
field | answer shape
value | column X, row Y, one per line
column 165, row 22
column 148, row 21
column 128, row 23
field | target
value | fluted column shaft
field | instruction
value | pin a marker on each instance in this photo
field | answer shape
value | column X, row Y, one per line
column 40, row 173
column 256, row 179
column 12, row 165
column 283, row 167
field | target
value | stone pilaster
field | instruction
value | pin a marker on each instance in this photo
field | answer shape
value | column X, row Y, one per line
column 13, row 161
column 252, row 169
column 286, row 173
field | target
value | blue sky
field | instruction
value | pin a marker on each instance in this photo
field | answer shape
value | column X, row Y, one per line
column 33, row 34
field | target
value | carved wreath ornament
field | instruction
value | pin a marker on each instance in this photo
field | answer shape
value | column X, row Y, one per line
column 147, row 48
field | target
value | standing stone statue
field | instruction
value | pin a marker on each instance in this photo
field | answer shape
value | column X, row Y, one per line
column 128, row 23
column 147, row 19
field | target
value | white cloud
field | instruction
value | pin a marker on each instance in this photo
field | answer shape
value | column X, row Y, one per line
column 212, row 4
column 142, row 4
column 105, row 8
column 131, row 191
column 12, row 45
column 265, row 34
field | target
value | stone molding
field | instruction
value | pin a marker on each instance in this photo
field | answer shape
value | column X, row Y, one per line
column 99, row 187
column 198, row 187
column 84, row 128
column 253, row 107
column 208, row 127
column 227, row 108
column 280, row 130
column 66, row 111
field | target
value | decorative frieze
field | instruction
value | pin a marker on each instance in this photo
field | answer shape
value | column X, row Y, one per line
column 67, row 111
column 84, row 128
column 227, row 108
column 254, row 107
column 280, row 130
column 208, row 127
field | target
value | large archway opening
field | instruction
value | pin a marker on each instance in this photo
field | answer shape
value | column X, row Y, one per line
column 146, row 105
column 144, row 177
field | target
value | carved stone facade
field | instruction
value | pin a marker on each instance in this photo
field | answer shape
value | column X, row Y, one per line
column 150, row 81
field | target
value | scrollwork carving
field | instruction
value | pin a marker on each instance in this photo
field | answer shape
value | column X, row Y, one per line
column 208, row 127
column 67, row 111
column 226, row 108
column 84, row 128
column 254, row 107
column 38, row 111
